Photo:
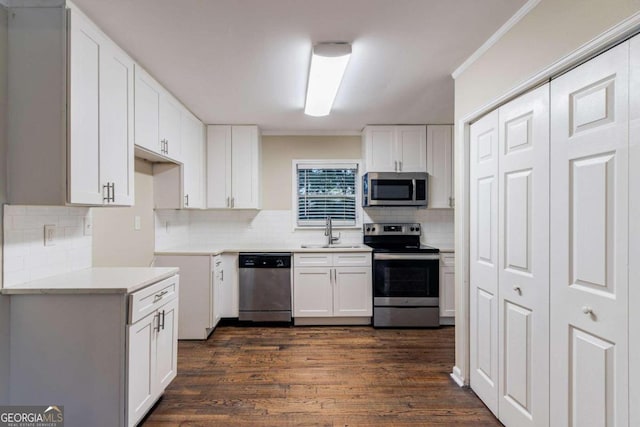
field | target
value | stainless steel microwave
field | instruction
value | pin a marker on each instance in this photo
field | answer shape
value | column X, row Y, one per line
column 394, row 189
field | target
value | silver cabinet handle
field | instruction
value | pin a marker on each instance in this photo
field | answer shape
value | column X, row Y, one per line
column 233, row 202
column 396, row 163
column 161, row 294
column 222, row 275
column 156, row 325
column 517, row 289
column 228, row 202
column 400, row 164
column 186, row 200
column 106, row 198
column 113, row 192
column 162, row 320
column 167, row 144
column 587, row 310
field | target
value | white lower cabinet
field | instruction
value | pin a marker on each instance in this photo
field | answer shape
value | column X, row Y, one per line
column 447, row 288
column 200, row 289
column 229, row 291
column 332, row 285
column 107, row 357
column 152, row 358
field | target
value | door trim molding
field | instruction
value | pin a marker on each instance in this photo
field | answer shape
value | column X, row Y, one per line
column 618, row 33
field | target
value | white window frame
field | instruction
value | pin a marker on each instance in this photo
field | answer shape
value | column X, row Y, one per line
column 329, row 163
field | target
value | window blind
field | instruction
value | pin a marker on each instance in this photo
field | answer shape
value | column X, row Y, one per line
column 326, row 191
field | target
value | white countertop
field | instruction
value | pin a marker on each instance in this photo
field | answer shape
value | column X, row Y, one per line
column 98, row 280
column 193, row 250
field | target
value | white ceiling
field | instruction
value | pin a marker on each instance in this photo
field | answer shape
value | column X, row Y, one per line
column 246, row 61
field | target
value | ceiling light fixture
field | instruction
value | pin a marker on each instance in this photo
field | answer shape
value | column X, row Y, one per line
column 328, row 63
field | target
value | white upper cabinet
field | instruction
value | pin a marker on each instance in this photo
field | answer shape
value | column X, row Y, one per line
column 233, row 167
column 395, row 148
column 147, row 112
column 440, row 165
column 81, row 151
column 116, row 124
column 245, row 167
column 193, row 161
column 157, row 118
column 411, row 148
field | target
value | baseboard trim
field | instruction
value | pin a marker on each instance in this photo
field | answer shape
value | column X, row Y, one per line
column 457, row 377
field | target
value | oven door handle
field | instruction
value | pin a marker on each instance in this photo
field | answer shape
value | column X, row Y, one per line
column 408, row 257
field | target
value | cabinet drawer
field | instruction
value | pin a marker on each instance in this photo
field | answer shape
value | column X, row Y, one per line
column 352, row 259
column 147, row 300
column 448, row 259
column 312, row 259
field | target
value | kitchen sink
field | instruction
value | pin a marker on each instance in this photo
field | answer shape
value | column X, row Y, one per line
column 333, row 246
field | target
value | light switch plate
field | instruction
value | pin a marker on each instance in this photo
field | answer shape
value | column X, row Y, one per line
column 137, row 223
column 50, row 235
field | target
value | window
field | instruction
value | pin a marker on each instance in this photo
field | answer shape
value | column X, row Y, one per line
column 326, row 188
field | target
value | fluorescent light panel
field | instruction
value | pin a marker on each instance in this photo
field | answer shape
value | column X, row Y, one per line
column 328, row 63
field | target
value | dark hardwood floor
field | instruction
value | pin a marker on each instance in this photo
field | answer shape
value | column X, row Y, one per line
column 318, row 376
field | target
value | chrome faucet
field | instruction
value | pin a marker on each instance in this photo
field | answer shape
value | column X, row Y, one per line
column 328, row 231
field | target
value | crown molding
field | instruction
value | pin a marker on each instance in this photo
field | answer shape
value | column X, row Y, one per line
column 517, row 17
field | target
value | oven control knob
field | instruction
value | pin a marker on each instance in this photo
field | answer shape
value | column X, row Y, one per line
column 373, row 229
column 413, row 229
column 368, row 228
column 417, row 228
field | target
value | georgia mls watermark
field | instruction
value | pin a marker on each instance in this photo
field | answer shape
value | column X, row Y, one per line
column 32, row 416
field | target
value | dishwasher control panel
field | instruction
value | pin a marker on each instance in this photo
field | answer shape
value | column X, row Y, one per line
column 264, row 260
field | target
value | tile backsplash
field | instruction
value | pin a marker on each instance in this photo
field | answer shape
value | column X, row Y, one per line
column 25, row 255
column 274, row 228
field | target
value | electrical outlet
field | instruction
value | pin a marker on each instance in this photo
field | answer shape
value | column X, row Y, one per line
column 136, row 223
column 87, row 226
column 50, row 235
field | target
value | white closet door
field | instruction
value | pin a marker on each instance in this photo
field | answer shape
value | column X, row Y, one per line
column 524, row 260
column 634, row 233
column 484, row 259
column 589, row 243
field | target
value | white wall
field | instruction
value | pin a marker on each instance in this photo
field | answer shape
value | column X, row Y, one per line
column 116, row 242
column 4, row 301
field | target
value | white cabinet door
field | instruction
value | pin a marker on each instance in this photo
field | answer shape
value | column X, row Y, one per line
column 169, row 131
column 147, row 111
column 440, row 165
column 411, row 148
column 85, row 44
column 590, row 243
column 634, row 230
column 116, row 124
column 380, row 149
column 229, row 291
column 483, row 242
column 218, row 166
column 245, row 167
column 141, row 367
column 524, row 260
column 447, row 291
column 166, row 346
column 215, row 293
column 193, row 161
column 313, row 292
column 352, row 292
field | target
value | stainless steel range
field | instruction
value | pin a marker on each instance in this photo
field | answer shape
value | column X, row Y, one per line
column 405, row 276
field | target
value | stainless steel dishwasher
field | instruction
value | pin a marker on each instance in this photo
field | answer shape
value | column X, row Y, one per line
column 265, row 287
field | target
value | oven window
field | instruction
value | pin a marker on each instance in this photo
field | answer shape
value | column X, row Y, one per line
column 406, row 278
column 391, row 189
